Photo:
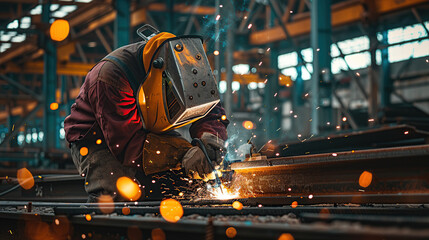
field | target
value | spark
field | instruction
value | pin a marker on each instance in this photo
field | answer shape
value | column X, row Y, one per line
column 371, row 120
column 158, row 152
column 358, row 74
column 290, row 11
column 111, row 173
column 268, row 49
column 318, row 49
column 260, row 205
column 328, row 123
column 217, row 17
column 249, row 27
column 334, row 154
column 83, row 151
column 295, row 116
column 344, row 119
column 260, row 63
column 275, row 109
column 406, row 132
column 57, row 222
column 153, row 181
column 338, row 127
column 294, row 204
column 289, row 189
column 216, row 52
column 277, row 154
column 83, row 174
column 225, row 194
column 310, row 196
column 220, row 5
column 275, row 95
column 245, row 17
column 306, row 95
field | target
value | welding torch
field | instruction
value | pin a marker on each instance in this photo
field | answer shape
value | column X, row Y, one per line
column 200, row 144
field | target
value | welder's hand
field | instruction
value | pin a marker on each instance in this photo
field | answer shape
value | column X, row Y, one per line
column 194, row 161
column 214, row 146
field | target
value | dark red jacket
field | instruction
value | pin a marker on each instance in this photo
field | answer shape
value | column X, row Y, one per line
column 113, row 107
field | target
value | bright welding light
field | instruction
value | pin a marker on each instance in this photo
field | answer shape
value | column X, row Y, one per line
column 225, row 194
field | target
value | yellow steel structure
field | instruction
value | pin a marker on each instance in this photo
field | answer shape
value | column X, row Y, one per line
column 342, row 13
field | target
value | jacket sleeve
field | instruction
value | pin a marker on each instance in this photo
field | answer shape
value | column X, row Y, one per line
column 212, row 123
column 115, row 110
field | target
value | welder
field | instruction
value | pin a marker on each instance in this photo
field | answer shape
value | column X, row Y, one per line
column 122, row 122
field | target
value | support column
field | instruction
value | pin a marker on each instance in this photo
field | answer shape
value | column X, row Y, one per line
column 373, row 77
column 229, row 20
column 49, row 85
column 217, row 67
column 122, row 23
column 272, row 108
column 386, row 83
column 298, row 87
column 321, row 86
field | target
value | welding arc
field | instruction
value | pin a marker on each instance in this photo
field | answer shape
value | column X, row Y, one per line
column 203, row 148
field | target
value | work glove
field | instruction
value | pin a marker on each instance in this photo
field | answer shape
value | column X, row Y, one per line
column 195, row 162
column 214, row 147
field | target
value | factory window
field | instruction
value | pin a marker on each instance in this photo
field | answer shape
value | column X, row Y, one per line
column 354, row 45
column 222, row 86
column 408, row 50
column 235, row 86
column 287, row 60
column 307, row 54
column 252, row 86
column 338, row 64
column 407, row 33
column 291, row 71
column 305, row 75
column 241, row 69
column 358, row 60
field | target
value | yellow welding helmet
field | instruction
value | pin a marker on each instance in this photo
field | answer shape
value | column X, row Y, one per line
column 179, row 87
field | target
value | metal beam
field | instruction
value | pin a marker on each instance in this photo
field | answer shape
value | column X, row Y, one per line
column 21, row 87
column 49, row 85
column 18, row 124
column 103, row 40
column 341, row 14
column 70, row 68
column 321, row 86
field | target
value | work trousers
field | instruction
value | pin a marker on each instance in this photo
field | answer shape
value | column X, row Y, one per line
column 101, row 170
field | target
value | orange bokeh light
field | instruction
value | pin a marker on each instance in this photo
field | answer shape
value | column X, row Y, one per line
column 237, row 205
column 171, row 210
column 126, row 210
column 128, row 188
column 53, row 106
column 83, row 151
column 105, row 203
column 216, row 52
column 223, row 117
column 286, row 236
column 365, row 179
column 88, row 217
column 59, row 30
column 158, row 234
column 98, row 141
column 231, row 232
column 248, row 124
column 25, row 178
column 294, row 204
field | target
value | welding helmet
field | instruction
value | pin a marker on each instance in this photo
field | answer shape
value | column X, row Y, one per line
column 179, row 87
